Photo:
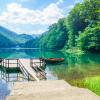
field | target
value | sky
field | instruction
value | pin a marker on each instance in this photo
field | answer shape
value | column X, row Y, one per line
column 33, row 16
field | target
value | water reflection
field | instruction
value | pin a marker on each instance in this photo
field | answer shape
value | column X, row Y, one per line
column 74, row 69
column 11, row 74
column 28, row 53
column 45, row 54
column 4, row 89
column 6, row 76
column 4, row 53
column 77, row 69
column 85, row 64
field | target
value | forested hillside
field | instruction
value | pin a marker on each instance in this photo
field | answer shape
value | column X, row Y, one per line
column 83, row 24
column 80, row 29
column 33, row 43
column 56, row 37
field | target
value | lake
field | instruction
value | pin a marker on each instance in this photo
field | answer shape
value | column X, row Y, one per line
column 81, row 71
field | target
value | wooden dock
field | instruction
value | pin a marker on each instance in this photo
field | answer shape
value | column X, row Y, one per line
column 31, row 68
column 25, row 63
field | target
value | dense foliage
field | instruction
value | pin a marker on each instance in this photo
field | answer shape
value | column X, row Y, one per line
column 33, row 43
column 83, row 25
column 81, row 29
column 56, row 36
column 54, row 39
column 90, row 39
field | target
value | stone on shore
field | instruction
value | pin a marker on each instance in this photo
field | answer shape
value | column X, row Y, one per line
column 49, row 90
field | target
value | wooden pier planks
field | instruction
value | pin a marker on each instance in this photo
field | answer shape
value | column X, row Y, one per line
column 26, row 65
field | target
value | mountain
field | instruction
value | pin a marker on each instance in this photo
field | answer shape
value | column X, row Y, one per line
column 14, row 37
column 9, row 34
column 5, row 42
column 9, row 37
column 25, row 36
column 35, row 42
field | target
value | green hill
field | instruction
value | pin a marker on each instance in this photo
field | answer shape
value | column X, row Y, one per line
column 5, row 42
column 16, row 39
column 14, row 36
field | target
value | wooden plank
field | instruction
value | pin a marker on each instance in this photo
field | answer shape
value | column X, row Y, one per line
column 10, row 62
column 26, row 65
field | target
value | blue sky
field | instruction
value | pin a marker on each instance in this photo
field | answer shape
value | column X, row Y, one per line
column 33, row 16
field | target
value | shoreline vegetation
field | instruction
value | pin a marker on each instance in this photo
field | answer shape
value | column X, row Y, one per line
column 75, row 51
column 92, row 83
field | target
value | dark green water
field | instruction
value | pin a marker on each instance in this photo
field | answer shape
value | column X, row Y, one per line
column 74, row 69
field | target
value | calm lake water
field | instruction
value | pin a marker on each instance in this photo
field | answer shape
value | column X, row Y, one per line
column 74, row 70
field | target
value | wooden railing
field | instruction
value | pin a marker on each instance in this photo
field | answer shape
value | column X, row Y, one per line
column 23, row 70
column 37, row 68
column 7, row 63
column 6, row 70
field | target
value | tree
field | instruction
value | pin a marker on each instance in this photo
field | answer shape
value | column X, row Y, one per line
column 33, row 43
column 90, row 39
column 80, row 17
column 56, row 36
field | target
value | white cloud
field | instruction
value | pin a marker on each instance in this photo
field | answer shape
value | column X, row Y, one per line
column 20, row 31
column 16, row 14
column 59, row 2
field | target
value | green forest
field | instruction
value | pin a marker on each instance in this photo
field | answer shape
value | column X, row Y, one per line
column 79, row 30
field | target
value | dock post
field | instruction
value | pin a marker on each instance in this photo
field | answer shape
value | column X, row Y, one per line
column 3, row 68
column 28, row 77
column 8, row 64
column 17, row 69
column 40, row 62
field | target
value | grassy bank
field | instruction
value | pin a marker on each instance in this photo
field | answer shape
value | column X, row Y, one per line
column 93, row 84
column 73, row 51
